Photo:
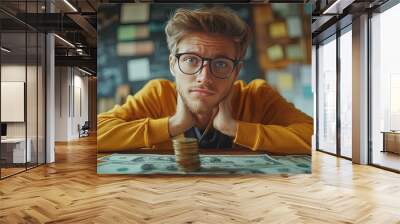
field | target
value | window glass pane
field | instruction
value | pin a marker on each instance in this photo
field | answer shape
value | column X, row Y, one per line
column 327, row 96
column 346, row 94
column 31, row 97
column 22, row 79
column 15, row 151
column 386, row 88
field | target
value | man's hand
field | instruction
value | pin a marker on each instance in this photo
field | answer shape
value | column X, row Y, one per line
column 223, row 120
column 182, row 120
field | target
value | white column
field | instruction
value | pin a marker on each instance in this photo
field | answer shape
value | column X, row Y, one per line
column 50, row 93
column 314, row 91
column 360, row 90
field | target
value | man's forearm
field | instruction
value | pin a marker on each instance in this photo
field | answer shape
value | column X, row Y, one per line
column 114, row 134
column 292, row 139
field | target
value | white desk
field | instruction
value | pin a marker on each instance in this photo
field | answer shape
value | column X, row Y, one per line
column 18, row 150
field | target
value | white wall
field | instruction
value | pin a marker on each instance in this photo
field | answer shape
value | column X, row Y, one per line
column 71, row 94
column 12, row 73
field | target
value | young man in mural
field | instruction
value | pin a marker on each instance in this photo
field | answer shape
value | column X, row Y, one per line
column 206, row 101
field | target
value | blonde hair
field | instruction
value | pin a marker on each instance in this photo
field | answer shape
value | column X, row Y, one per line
column 216, row 20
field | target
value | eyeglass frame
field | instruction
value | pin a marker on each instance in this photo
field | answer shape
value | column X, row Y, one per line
column 235, row 63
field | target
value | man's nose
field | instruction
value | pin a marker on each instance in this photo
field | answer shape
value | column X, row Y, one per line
column 204, row 74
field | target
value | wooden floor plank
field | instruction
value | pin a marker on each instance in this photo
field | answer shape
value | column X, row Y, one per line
column 70, row 191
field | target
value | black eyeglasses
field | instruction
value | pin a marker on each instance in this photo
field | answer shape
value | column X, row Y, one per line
column 221, row 67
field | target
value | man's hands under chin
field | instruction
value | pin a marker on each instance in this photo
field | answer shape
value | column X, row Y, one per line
column 182, row 120
column 223, row 120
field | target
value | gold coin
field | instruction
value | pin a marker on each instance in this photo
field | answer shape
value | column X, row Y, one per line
column 186, row 146
column 180, row 148
column 184, row 140
column 183, row 149
column 194, row 144
column 186, row 153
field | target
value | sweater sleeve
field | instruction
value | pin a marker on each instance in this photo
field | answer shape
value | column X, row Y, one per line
column 139, row 123
column 283, row 128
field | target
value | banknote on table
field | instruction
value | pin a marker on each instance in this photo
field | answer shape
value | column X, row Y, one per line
column 210, row 164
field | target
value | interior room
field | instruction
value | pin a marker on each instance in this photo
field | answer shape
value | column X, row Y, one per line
column 53, row 59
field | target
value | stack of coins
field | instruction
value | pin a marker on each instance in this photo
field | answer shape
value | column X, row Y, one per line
column 186, row 154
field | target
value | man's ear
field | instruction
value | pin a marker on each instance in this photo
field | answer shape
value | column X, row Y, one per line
column 171, row 64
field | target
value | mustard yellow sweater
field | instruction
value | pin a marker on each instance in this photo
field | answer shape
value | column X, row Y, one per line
column 266, row 121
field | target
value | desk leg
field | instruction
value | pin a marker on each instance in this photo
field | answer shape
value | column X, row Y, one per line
column 384, row 142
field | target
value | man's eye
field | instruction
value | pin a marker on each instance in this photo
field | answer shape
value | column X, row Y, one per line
column 190, row 60
column 220, row 64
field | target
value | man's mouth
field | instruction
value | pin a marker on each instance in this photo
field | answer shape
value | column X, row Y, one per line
column 202, row 92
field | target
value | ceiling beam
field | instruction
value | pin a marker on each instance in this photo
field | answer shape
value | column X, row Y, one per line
column 337, row 7
column 78, row 61
column 86, row 26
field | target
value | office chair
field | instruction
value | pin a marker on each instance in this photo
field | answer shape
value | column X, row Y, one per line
column 84, row 130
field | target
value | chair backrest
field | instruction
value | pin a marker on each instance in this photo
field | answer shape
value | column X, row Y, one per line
column 86, row 125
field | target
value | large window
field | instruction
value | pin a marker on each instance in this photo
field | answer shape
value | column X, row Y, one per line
column 333, row 136
column 327, row 95
column 385, row 88
column 346, row 92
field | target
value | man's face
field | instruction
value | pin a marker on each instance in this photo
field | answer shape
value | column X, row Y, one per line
column 202, row 91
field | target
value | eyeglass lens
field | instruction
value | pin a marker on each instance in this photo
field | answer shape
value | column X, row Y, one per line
column 191, row 64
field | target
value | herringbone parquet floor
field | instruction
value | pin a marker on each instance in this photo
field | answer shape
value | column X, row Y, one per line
column 70, row 191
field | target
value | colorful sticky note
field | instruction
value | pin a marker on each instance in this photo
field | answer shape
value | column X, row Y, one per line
column 285, row 82
column 294, row 52
column 278, row 30
column 135, row 48
column 285, row 10
column 305, row 75
column 275, row 52
column 295, row 28
column 138, row 69
column 132, row 32
column 134, row 13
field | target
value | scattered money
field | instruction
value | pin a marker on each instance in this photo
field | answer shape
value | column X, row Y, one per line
column 210, row 164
